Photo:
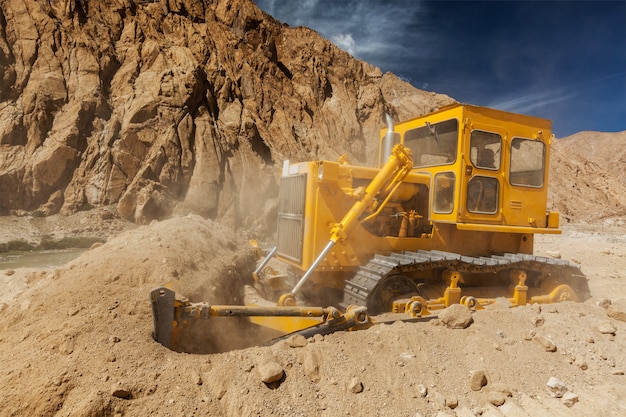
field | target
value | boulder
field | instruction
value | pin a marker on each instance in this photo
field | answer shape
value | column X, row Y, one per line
column 456, row 316
column 271, row 372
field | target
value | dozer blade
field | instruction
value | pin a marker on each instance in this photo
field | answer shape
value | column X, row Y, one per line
column 171, row 314
column 162, row 300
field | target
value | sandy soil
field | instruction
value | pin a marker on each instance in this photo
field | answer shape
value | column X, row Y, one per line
column 76, row 340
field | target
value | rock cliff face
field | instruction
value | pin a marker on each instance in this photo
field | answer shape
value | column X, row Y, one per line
column 175, row 106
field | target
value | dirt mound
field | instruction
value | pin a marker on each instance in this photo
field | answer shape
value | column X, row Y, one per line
column 68, row 328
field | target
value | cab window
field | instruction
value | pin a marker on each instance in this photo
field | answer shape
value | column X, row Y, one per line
column 433, row 144
column 482, row 195
column 485, row 149
column 527, row 162
column 444, row 192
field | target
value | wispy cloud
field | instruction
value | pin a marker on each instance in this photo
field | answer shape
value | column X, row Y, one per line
column 529, row 103
column 344, row 41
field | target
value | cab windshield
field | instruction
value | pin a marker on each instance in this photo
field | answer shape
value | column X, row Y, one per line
column 433, row 144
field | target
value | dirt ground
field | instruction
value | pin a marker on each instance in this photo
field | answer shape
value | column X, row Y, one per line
column 76, row 340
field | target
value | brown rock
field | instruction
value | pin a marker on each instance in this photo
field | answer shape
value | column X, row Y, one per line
column 569, row 399
column 53, row 205
column 556, row 388
column 271, row 372
column 311, row 366
column 546, row 343
column 497, row 398
column 617, row 310
column 478, row 379
column 607, row 328
column 456, row 316
column 355, row 386
column 452, row 402
column 217, row 386
column 121, row 391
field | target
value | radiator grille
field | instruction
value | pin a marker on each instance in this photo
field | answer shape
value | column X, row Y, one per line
column 291, row 217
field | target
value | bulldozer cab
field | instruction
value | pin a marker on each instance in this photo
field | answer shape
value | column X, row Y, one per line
column 488, row 167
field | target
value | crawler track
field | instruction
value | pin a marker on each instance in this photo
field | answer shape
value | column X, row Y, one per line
column 399, row 269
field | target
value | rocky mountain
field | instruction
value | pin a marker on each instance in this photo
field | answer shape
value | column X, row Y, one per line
column 587, row 181
column 170, row 106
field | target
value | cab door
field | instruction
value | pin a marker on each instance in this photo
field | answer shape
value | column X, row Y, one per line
column 482, row 181
column 526, row 200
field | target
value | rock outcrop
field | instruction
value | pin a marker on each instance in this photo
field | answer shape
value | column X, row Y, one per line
column 172, row 106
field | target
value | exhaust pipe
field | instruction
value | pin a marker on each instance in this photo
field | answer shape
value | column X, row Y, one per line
column 388, row 142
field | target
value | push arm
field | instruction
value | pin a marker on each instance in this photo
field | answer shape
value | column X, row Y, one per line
column 388, row 178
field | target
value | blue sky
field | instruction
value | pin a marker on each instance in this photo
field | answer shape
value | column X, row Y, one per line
column 560, row 60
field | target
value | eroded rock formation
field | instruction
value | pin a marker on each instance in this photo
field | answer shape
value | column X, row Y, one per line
column 175, row 106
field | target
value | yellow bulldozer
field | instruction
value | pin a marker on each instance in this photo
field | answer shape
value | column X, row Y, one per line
column 448, row 216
